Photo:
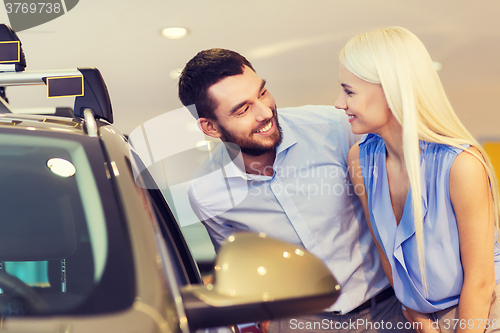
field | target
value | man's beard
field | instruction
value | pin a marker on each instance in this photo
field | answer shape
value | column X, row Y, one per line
column 250, row 146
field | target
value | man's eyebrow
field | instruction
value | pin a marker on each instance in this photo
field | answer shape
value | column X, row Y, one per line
column 238, row 106
column 262, row 85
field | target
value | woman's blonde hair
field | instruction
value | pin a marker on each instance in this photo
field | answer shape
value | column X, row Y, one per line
column 398, row 61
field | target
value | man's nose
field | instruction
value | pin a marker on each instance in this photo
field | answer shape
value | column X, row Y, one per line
column 264, row 112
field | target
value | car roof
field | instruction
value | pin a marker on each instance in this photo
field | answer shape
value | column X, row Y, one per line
column 92, row 106
column 25, row 122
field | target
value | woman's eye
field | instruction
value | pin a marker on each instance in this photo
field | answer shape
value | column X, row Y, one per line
column 348, row 92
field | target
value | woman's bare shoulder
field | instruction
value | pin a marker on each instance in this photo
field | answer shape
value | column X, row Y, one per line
column 353, row 155
column 468, row 164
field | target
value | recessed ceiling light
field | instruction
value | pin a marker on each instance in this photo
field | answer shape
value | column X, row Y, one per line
column 174, row 74
column 174, row 32
column 437, row 65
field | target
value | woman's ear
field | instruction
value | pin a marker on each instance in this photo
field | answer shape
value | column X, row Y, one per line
column 209, row 127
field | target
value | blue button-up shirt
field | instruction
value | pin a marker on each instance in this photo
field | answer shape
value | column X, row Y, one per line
column 309, row 201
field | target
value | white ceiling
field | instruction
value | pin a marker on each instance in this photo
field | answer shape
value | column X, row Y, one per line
column 293, row 44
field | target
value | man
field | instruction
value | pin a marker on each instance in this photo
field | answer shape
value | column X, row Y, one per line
column 284, row 175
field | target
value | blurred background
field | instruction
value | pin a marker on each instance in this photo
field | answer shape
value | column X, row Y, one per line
column 292, row 44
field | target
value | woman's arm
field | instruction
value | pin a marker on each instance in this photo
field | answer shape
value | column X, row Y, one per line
column 359, row 186
column 471, row 198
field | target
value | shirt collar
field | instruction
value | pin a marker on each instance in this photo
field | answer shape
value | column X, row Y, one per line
column 288, row 137
column 369, row 137
column 230, row 167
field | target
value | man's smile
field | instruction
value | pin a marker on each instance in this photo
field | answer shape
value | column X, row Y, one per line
column 266, row 129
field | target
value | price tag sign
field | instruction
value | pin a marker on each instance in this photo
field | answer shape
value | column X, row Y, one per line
column 10, row 52
column 65, row 86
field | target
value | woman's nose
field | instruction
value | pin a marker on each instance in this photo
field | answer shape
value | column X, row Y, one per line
column 340, row 103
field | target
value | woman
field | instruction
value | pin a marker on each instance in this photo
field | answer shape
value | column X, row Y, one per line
column 427, row 187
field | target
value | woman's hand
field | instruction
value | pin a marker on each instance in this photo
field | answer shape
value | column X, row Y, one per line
column 423, row 320
column 264, row 325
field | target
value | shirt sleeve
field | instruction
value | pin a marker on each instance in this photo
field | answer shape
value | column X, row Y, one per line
column 216, row 228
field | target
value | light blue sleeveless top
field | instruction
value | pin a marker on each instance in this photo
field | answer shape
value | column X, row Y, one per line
column 442, row 251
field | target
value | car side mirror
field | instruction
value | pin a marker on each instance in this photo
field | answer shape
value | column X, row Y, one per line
column 260, row 278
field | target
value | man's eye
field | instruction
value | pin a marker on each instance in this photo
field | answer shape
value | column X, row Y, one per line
column 243, row 111
column 263, row 93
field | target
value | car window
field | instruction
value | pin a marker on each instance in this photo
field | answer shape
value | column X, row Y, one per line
column 54, row 228
column 174, row 239
column 186, row 267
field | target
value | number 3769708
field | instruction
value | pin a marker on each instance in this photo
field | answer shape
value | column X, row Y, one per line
column 33, row 8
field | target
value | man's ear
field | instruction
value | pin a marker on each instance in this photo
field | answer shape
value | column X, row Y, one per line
column 208, row 127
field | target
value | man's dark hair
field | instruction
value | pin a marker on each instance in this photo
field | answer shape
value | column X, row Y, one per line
column 206, row 69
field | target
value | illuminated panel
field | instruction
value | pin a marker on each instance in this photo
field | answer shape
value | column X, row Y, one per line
column 493, row 150
column 65, row 86
column 10, row 51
